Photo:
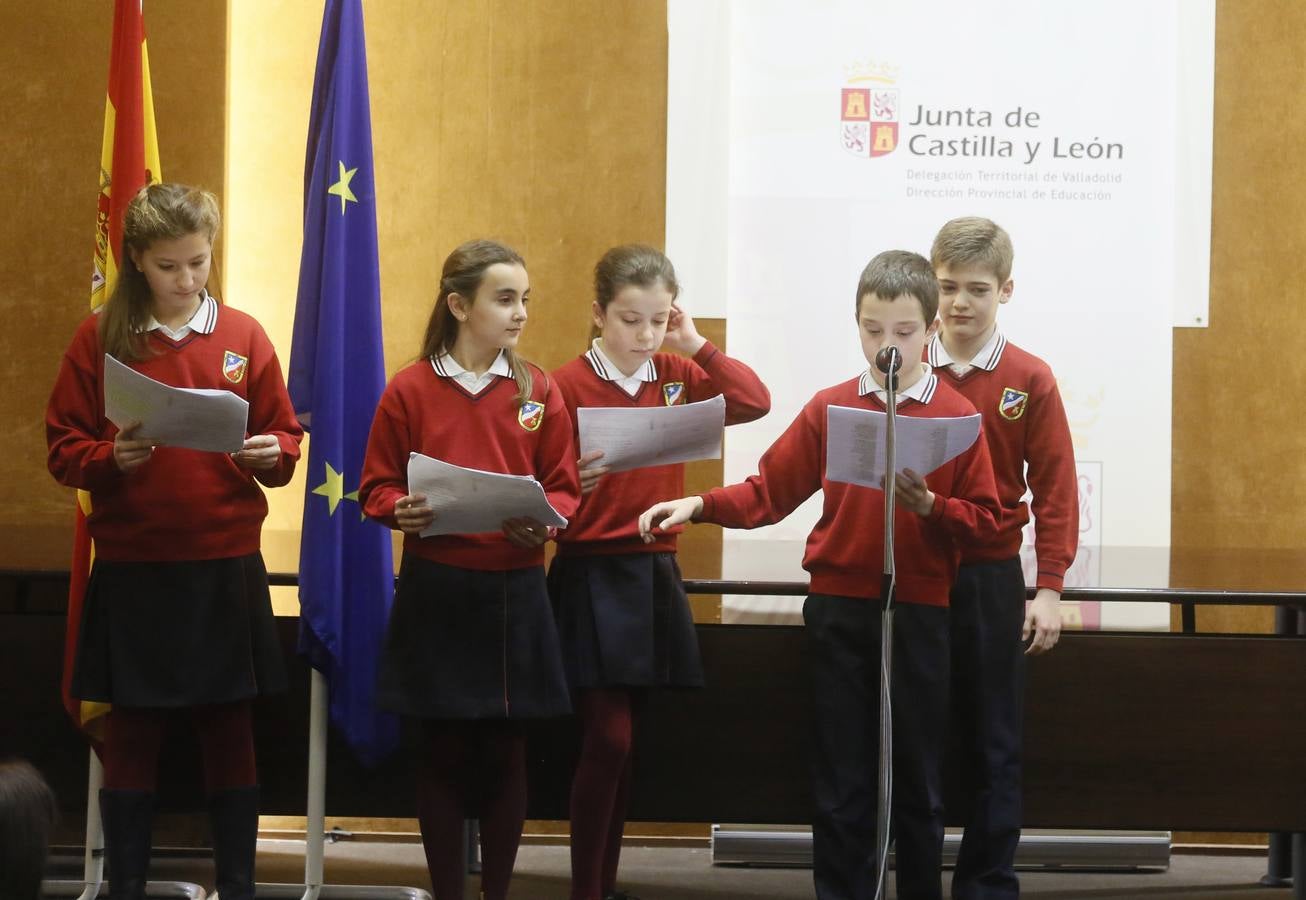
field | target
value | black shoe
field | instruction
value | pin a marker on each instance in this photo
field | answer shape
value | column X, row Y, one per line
column 127, row 817
column 233, row 816
column 620, row 895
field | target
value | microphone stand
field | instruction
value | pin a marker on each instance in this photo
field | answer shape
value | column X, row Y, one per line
column 888, row 361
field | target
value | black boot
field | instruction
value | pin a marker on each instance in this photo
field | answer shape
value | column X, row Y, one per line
column 127, row 817
column 233, row 815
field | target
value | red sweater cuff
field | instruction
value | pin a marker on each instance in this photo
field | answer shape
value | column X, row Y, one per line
column 705, row 514
column 705, row 353
column 1051, row 581
column 936, row 511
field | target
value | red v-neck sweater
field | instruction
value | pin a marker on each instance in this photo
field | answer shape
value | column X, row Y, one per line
column 181, row 504
column 608, row 519
column 845, row 551
column 423, row 412
column 1033, row 432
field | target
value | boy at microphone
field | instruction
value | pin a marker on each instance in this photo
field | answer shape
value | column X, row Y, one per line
column 896, row 304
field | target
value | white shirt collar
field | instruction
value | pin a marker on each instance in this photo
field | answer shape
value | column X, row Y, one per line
column 987, row 358
column 203, row 322
column 922, row 391
column 608, row 371
column 447, row 367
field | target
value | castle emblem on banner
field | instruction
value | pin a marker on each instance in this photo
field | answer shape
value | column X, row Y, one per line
column 868, row 119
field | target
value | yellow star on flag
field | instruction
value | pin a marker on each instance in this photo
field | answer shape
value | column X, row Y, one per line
column 341, row 187
column 334, row 489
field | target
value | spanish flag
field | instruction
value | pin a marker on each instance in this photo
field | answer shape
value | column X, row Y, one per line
column 129, row 160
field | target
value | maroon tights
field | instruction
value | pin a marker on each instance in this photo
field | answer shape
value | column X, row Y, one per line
column 600, row 790
column 133, row 737
column 471, row 769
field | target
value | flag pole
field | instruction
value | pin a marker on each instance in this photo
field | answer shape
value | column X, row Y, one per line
column 93, row 869
column 336, row 377
column 315, row 838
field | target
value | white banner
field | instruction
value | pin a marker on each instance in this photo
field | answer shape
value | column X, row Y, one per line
column 858, row 127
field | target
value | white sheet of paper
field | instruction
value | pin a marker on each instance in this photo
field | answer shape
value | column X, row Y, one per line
column 855, row 443
column 632, row 438
column 470, row 501
column 195, row 418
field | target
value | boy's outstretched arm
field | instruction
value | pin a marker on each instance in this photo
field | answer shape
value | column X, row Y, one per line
column 787, row 474
column 668, row 514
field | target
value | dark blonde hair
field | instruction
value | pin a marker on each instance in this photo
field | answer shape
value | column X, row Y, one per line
column 28, row 813
column 637, row 264
column 462, row 274
column 972, row 240
column 893, row 273
column 157, row 212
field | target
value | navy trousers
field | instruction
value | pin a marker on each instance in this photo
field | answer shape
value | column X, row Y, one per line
column 843, row 661
column 988, row 711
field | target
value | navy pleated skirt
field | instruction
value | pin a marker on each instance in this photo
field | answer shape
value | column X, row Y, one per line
column 173, row 634
column 470, row 644
column 624, row 620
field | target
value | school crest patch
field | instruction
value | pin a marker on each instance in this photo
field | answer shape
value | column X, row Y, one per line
column 672, row 391
column 1012, row 404
column 233, row 366
column 531, row 415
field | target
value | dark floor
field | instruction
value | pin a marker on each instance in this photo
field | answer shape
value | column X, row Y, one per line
column 661, row 873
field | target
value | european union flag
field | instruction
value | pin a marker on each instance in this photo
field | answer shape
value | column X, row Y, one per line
column 337, row 374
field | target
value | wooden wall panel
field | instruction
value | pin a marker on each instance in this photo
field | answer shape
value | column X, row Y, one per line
column 57, row 63
column 1239, row 501
column 523, row 121
column 50, row 149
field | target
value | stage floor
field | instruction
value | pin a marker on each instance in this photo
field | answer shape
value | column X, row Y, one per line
column 675, row 873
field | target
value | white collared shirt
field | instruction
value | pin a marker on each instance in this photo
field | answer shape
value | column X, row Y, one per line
column 987, row 358
column 447, row 367
column 922, row 391
column 608, row 371
column 203, row 322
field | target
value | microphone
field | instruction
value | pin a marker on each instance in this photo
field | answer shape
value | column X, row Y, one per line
column 889, row 361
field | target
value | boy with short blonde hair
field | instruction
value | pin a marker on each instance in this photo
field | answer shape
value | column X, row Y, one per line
column 1029, row 441
column 896, row 301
